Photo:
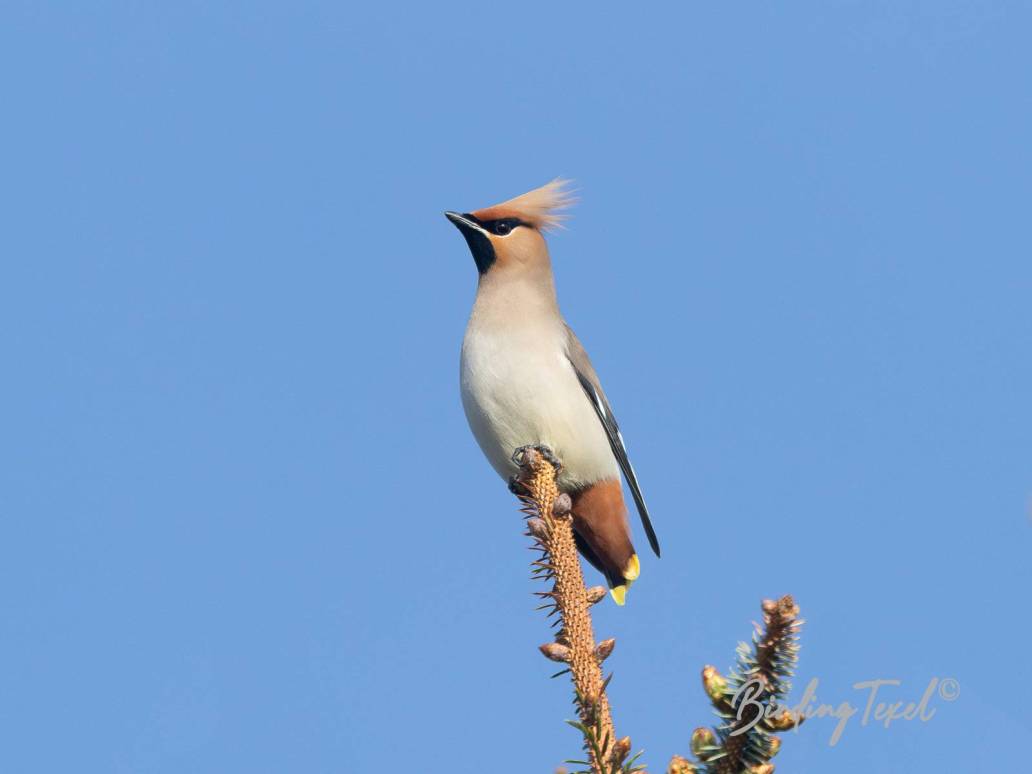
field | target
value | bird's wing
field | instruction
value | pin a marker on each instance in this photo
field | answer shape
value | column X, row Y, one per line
column 593, row 389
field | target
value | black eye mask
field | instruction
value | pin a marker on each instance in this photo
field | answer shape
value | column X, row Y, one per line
column 499, row 227
column 478, row 241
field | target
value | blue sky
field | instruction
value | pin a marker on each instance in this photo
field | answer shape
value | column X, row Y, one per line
column 244, row 525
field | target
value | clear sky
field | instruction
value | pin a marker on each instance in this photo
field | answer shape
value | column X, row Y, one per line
column 243, row 524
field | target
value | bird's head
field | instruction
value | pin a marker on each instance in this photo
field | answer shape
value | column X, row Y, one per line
column 508, row 237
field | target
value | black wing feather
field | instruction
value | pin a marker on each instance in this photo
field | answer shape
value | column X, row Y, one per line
column 616, row 443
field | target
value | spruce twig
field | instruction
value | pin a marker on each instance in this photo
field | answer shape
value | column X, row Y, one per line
column 738, row 745
column 550, row 524
column 743, row 743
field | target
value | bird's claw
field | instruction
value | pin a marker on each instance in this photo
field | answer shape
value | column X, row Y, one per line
column 516, row 486
column 544, row 451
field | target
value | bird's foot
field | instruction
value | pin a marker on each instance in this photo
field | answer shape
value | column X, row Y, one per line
column 544, row 451
column 516, row 486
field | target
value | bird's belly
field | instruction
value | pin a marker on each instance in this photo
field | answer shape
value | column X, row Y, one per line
column 512, row 400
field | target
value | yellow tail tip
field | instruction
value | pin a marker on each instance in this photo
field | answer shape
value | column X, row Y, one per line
column 633, row 568
column 619, row 594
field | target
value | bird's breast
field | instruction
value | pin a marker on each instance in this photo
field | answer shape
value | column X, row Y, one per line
column 519, row 388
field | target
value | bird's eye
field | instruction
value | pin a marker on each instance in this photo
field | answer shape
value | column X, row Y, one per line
column 502, row 228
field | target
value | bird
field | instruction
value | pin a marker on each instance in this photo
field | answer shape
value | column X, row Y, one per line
column 526, row 380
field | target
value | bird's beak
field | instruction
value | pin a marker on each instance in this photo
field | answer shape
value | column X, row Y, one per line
column 464, row 224
column 476, row 237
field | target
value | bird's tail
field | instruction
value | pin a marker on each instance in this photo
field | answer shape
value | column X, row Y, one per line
column 618, row 582
column 618, row 587
column 603, row 536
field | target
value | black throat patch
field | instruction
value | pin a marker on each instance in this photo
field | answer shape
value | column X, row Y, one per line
column 481, row 247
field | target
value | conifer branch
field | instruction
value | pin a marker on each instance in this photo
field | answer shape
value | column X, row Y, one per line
column 550, row 525
column 744, row 742
column 738, row 745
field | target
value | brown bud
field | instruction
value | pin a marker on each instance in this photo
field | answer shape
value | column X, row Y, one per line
column 679, row 765
column 604, row 649
column 556, row 652
column 773, row 745
column 791, row 609
column 761, row 768
column 783, row 608
column 701, row 739
column 621, row 749
column 562, row 505
column 713, row 683
column 784, row 721
column 596, row 594
column 537, row 528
